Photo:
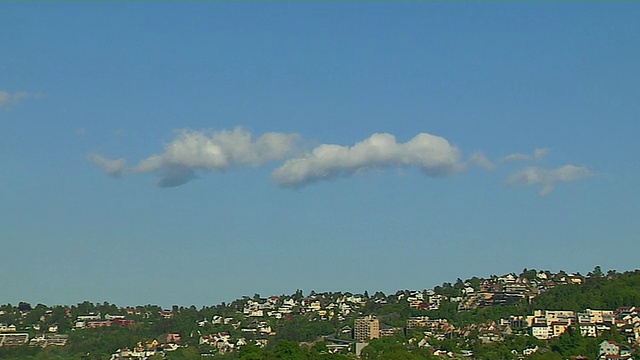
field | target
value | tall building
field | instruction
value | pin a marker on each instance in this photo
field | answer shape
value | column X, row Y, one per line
column 366, row 328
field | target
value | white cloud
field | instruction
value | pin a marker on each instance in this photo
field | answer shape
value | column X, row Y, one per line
column 547, row 178
column 538, row 154
column 516, row 157
column 7, row 99
column 210, row 150
column 434, row 155
column 192, row 152
column 115, row 168
column 478, row 159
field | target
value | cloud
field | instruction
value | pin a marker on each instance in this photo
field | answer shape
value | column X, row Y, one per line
column 7, row 99
column 193, row 150
column 478, row 159
column 548, row 177
column 434, row 155
column 538, row 154
column 177, row 175
column 115, row 168
column 516, row 157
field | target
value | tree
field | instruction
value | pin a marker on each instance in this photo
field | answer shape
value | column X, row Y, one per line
column 24, row 306
column 251, row 352
column 571, row 342
column 597, row 272
column 387, row 348
column 528, row 274
column 187, row 353
column 288, row 350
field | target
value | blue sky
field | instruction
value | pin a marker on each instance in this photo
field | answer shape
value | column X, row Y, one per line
column 193, row 153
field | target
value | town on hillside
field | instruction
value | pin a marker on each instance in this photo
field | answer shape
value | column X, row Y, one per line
column 531, row 315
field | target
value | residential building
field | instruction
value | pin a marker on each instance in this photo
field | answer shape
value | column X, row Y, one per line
column 366, row 328
column 609, row 348
column 13, row 339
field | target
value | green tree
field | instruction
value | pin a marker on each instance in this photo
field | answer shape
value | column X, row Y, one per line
column 251, row 352
column 289, row 350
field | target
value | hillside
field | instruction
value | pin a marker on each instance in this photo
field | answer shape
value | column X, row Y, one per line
column 487, row 318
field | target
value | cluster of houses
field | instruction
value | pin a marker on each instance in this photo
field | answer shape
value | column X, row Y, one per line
column 252, row 320
column 93, row 321
column 591, row 323
column 148, row 349
column 425, row 300
column 545, row 325
column 509, row 288
column 542, row 324
column 222, row 342
column 9, row 336
column 40, row 340
column 324, row 306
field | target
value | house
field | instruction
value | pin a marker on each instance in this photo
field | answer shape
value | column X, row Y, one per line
column 559, row 327
column 175, row 337
column 424, row 343
column 215, row 339
column 151, row 344
column 488, row 336
column 508, row 278
column 609, row 348
column 7, row 328
column 262, row 341
column 530, row 351
column 124, row 322
column 441, row 352
column 418, row 321
column 132, row 311
column 468, row 290
column 13, row 339
column 386, row 330
column 89, row 317
column 169, row 347
column 314, row 306
column 44, row 340
column 127, row 354
column 631, row 332
column 113, row 317
column 265, row 328
column 575, row 279
column 626, row 352
column 588, row 329
column 541, row 331
column 100, row 323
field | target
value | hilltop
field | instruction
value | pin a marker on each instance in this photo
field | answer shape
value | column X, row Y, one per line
column 531, row 314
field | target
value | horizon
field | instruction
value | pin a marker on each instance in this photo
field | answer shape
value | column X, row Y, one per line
column 307, row 293
column 182, row 153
